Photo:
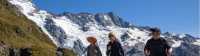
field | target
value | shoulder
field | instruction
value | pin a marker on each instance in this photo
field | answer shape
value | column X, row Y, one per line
column 149, row 40
column 162, row 39
column 118, row 43
column 88, row 47
column 109, row 43
column 96, row 46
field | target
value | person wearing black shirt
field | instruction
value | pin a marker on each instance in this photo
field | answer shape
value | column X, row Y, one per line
column 156, row 46
column 114, row 47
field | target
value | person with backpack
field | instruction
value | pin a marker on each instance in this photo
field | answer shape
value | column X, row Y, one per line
column 92, row 49
column 156, row 46
column 114, row 47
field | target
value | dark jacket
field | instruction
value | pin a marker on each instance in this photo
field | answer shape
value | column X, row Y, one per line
column 157, row 47
column 93, row 50
column 114, row 49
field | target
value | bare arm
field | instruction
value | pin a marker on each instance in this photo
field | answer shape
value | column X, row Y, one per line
column 168, row 49
column 146, row 48
column 146, row 52
column 168, row 52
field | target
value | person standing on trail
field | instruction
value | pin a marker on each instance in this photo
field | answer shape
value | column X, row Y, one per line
column 114, row 47
column 156, row 46
column 93, row 48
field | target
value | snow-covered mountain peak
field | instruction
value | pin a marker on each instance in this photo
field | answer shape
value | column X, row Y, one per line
column 101, row 19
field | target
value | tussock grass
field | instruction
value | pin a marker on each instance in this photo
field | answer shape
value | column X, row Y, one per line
column 19, row 32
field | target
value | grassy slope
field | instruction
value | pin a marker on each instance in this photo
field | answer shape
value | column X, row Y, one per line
column 19, row 32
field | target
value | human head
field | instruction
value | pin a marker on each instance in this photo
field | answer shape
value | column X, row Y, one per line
column 111, row 36
column 91, row 40
column 155, row 32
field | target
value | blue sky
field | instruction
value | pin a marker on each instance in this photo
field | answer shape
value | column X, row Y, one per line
column 179, row 16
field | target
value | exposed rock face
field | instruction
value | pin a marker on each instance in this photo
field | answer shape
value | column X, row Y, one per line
column 102, row 19
column 63, row 52
column 4, row 51
column 55, row 31
column 8, row 51
column 19, row 52
column 186, row 49
column 60, row 52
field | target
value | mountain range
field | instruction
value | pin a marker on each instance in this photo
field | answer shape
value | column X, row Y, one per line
column 70, row 30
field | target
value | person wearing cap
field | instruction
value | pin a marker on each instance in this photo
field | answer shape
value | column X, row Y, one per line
column 92, row 49
column 156, row 46
column 114, row 47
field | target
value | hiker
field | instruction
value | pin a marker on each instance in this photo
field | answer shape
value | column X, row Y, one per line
column 114, row 47
column 156, row 46
column 92, row 49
